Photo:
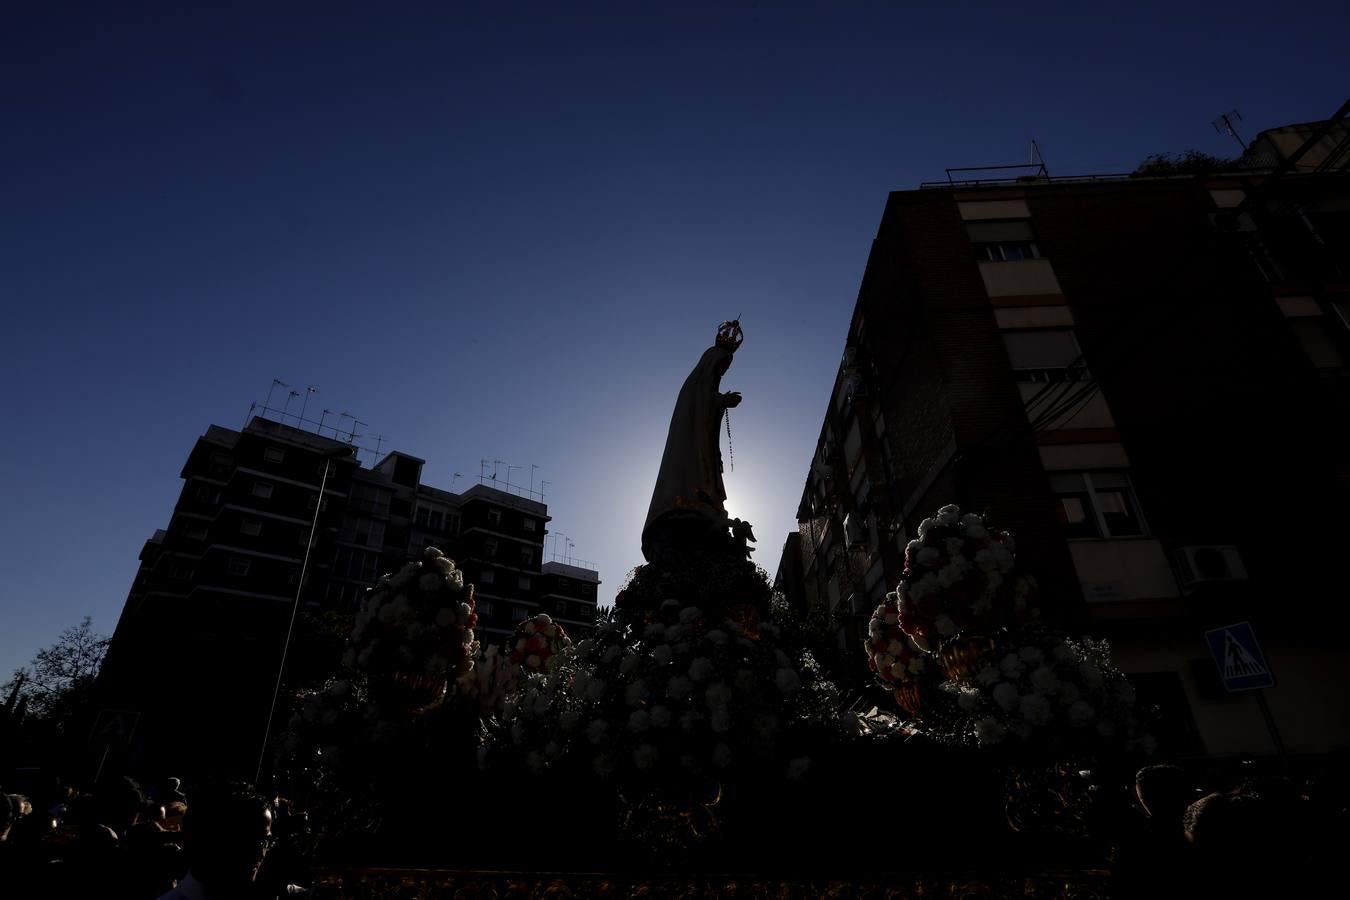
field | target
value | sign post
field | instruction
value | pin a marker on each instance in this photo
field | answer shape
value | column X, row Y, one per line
column 1243, row 667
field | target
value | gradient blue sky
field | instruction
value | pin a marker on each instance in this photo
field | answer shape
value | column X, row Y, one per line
column 509, row 229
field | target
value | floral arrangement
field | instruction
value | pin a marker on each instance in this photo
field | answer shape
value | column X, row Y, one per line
column 417, row 623
column 1054, row 692
column 678, row 698
column 959, row 577
column 536, row 644
column 891, row 654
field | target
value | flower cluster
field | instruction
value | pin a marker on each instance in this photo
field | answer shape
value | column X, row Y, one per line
column 680, row 696
column 959, row 577
column 418, row 621
column 537, row 642
column 891, row 655
column 1054, row 692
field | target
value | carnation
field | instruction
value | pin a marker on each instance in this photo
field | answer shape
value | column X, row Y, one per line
column 1005, row 695
column 1080, row 714
column 1035, row 709
column 989, row 731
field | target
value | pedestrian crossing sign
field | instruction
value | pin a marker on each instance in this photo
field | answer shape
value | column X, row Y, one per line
column 1242, row 665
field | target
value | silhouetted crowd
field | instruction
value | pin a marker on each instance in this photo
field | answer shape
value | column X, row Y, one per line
column 216, row 841
column 1262, row 837
column 1257, row 837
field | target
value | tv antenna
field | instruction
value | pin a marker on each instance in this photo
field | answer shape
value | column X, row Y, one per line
column 1224, row 125
column 309, row 389
column 276, row 383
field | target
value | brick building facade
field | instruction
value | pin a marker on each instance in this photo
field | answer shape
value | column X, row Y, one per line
column 1145, row 379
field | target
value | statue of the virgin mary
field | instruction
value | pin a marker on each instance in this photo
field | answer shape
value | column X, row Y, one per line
column 689, row 493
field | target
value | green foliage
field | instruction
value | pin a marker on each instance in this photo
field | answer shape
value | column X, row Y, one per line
column 1192, row 162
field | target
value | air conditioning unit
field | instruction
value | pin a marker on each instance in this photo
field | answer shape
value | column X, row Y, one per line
column 1211, row 564
column 1231, row 221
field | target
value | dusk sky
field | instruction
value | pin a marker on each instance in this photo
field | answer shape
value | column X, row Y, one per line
column 508, row 230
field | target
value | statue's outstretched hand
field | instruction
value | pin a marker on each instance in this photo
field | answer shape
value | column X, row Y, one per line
column 731, row 399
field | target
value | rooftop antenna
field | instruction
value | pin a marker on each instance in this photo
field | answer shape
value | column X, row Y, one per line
column 276, row 383
column 289, row 397
column 482, row 470
column 379, row 442
column 1224, row 125
column 326, row 413
column 532, row 468
column 311, row 389
column 1036, row 159
column 452, row 481
column 338, row 430
column 495, row 464
column 252, row 406
column 509, row 467
column 543, row 485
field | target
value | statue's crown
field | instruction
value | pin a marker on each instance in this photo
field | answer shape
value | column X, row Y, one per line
column 729, row 335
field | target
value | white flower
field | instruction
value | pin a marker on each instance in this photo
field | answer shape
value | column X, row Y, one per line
column 635, row 693
column 1005, row 695
column 679, row 687
column 744, row 680
column 721, row 756
column 945, row 626
column 596, row 688
column 720, row 720
column 788, row 681
column 1062, row 653
column 595, row 732
column 1035, row 709
column 1080, row 714
column 611, row 653
column 702, row 668
column 662, row 655
column 968, row 698
column 689, row 719
column 987, row 676
column 985, row 560
column 717, row 636
column 690, row 614
column 661, row 717
column 429, row 582
column 954, row 546
column 1106, row 728
column 1068, row 692
column 569, row 720
column 977, row 532
column 926, row 526
column 928, row 556
column 988, row 731
column 654, row 632
column 639, row 720
column 1092, row 676
column 914, row 546
column 603, row 765
column 644, row 757
column 1031, row 655
column 718, row 695
column 949, row 514
column 797, row 767
column 630, row 663
column 1012, row 666
column 1044, row 680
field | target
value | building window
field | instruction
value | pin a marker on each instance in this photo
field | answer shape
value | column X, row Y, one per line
column 1097, row 504
column 451, row 523
column 314, row 500
column 274, row 455
column 362, row 535
column 196, row 534
column 560, row 607
column 526, row 556
column 519, row 613
column 487, row 576
column 1003, row 241
column 494, row 517
column 434, row 521
column 523, row 582
column 251, row 527
column 262, row 489
column 292, row 576
column 528, row 524
column 1040, row 356
column 422, row 516
column 490, row 548
column 238, row 566
column 483, row 608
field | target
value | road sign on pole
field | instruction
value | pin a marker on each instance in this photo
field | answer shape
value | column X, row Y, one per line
column 1242, row 665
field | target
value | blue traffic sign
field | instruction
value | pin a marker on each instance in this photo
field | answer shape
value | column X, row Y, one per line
column 1242, row 665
